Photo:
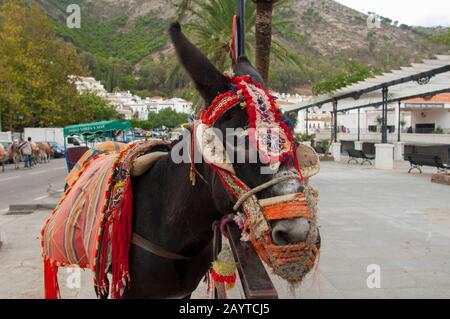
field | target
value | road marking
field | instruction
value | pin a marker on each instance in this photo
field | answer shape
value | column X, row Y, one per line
column 37, row 173
column 9, row 178
column 39, row 198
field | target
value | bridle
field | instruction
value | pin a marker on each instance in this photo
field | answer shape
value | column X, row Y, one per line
column 266, row 113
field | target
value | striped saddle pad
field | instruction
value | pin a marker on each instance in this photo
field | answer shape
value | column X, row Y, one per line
column 91, row 225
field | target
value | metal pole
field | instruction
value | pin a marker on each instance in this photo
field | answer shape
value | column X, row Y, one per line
column 240, row 28
column 384, row 116
column 307, row 122
column 66, row 153
column 335, row 103
column 399, row 120
column 359, row 125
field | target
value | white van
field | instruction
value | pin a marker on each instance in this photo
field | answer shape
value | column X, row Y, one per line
column 74, row 141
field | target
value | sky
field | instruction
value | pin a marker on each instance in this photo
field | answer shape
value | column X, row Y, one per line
column 411, row 12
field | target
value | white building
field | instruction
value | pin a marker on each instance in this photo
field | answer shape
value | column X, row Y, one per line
column 179, row 105
column 88, row 85
column 129, row 105
column 288, row 101
column 429, row 115
column 134, row 107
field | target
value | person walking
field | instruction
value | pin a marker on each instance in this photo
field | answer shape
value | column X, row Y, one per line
column 27, row 151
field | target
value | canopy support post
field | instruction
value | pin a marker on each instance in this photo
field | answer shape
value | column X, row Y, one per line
column 335, row 128
column 399, row 128
column 307, row 121
column 384, row 138
column 359, row 125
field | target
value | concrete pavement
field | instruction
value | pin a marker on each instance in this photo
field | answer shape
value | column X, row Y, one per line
column 30, row 186
column 391, row 223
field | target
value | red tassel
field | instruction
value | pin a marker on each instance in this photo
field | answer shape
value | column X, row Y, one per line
column 102, row 278
column 229, row 281
column 51, row 280
column 121, row 241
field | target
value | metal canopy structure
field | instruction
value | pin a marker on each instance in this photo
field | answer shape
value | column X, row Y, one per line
column 428, row 78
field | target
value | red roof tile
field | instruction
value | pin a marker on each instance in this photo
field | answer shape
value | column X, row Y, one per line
column 439, row 98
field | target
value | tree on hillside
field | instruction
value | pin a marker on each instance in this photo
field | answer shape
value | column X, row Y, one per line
column 167, row 117
column 34, row 69
column 93, row 108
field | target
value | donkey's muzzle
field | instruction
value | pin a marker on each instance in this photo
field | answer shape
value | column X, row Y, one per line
column 287, row 232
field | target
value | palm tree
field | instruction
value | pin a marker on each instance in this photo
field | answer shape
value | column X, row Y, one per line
column 211, row 30
column 264, row 11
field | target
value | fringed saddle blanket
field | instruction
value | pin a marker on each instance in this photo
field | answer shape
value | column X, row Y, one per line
column 91, row 225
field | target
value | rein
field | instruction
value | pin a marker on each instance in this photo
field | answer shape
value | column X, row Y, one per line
column 150, row 247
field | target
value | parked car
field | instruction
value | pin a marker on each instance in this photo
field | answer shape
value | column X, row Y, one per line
column 57, row 150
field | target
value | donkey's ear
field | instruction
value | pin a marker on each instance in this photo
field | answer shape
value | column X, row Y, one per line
column 208, row 80
column 244, row 67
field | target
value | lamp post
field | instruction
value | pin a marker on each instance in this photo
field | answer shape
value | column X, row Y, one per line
column 20, row 117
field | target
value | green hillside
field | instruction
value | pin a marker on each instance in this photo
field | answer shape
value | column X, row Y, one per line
column 125, row 44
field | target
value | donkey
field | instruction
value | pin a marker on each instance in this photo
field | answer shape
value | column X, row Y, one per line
column 36, row 154
column 15, row 155
column 44, row 152
column 172, row 213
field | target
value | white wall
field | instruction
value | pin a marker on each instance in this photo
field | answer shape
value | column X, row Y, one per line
column 438, row 117
column 45, row 134
column 369, row 118
column 5, row 137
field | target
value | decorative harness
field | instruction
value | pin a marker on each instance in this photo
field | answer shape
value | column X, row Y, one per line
column 274, row 142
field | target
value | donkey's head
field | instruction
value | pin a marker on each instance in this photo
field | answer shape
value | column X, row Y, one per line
column 211, row 83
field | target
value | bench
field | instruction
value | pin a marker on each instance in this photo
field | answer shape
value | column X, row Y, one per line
column 319, row 149
column 418, row 160
column 357, row 154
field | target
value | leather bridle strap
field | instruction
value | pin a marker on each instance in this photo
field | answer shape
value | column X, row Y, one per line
column 155, row 249
column 262, row 187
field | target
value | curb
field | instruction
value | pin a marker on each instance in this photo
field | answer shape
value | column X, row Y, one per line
column 27, row 209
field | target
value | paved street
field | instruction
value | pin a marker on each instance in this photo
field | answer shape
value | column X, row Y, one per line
column 392, row 220
column 30, row 186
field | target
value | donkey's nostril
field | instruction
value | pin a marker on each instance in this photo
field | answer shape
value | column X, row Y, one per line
column 280, row 237
column 287, row 232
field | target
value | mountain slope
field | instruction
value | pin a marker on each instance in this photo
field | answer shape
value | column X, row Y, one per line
column 323, row 33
